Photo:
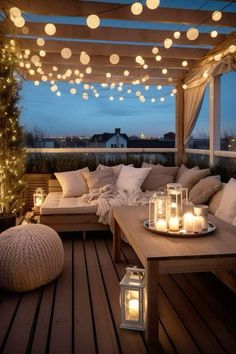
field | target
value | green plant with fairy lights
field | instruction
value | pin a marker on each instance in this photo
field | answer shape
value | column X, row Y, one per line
column 12, row 154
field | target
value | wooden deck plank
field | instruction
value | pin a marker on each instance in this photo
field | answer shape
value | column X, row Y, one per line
column 128, row 339
column 61, row 330
column 42, row 327
column 223, row 336
column 105, row 334
column 216, row 298
column 7, row 310
column 20, row 331
column 84, row 341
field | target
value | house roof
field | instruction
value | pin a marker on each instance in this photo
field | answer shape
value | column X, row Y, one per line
column 105, row 137
column 120, row 32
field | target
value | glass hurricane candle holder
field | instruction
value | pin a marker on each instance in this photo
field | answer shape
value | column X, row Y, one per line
column 157, row 212
column 174, row 206
column 201, row 211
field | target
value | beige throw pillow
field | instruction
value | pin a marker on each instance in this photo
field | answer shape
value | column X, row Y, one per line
column 227, row 208
column 98, row 179
column 72, row 183
column 131, row 178
column 204, row 189
column 190, row 177
column 216, row 198
column 184, row 169
column 116, row 168
column 158, row 177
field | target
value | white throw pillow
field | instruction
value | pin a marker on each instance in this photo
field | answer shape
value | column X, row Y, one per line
column 227, row 208
column 131, row 178
column 73, row 184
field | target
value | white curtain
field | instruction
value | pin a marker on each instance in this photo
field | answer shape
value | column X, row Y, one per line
column 196, row 82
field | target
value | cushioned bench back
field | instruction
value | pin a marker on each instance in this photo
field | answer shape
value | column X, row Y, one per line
column 54, row 186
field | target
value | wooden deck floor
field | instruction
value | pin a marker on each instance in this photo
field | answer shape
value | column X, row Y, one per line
column 79, row 312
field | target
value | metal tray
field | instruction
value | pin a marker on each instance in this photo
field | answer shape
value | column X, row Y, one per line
column 181, row 233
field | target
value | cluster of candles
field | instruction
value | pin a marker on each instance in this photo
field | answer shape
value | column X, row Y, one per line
column 171, row 211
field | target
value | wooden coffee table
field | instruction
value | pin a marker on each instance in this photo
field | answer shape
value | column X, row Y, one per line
column 167, row 254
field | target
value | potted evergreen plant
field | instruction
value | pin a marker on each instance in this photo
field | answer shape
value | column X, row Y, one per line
column 12, row 154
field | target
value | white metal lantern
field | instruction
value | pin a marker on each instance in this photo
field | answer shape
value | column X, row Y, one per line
column 157, row 212
column 39, row 197
column 133, row 299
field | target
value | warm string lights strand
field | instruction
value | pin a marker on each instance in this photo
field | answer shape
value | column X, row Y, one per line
column 12, row 155
column 34, row 66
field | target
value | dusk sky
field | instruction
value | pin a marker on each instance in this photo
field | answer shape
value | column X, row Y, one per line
column 72, row 115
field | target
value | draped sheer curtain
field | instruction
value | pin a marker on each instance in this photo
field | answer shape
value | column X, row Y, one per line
column 194, row 94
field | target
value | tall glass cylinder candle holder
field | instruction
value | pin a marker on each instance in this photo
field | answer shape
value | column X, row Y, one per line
column 202, row 211
column 174, row 206
column 157, row 212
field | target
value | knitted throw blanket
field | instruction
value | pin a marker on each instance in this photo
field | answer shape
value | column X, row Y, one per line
column 109, row 196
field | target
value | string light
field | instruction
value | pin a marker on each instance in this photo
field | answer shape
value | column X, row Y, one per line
column 192, row 33
column 50, row 29
column 93, row 21
column 152, row 4
column 136, row 8
column 216, row 16
column 114, row 59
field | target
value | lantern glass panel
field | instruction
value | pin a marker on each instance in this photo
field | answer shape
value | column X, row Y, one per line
column 132, row 305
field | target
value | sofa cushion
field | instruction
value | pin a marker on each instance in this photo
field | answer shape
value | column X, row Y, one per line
column 216, row 198
column 184, row 169
column 227, row 208
column 190, row 177
column 99, row 178
column 116, row 168
column 204, row 189
column 158, row 177
column 72, row 182
column 131, row 178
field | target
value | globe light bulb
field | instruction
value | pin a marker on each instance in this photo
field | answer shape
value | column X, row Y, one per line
column 66, row 53
column 50, row 29
column 214, row 34
column 93, row 21
column 177, row 34
column 152, row 4
column 155, row 50
column 40, row 42
column 114, row 59
column 216, row 16
column 184, row 63
column 192, row 33
column 168, row 43
column 136, row 8
column 84, row 58
column 19, row 22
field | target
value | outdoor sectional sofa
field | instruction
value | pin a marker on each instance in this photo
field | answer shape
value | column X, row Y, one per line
column 67, row 210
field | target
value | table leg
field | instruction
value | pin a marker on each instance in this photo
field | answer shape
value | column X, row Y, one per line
column 117, row 242
column 152, row 313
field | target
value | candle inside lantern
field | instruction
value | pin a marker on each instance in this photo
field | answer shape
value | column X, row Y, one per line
column 161, row 225
column 133, row 309
column 197, row 223
column 174, row 224
column 38, row 201
column 188, row 222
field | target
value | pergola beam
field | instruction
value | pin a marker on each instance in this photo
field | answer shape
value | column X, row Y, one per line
column 100, row 60
column 55, row 46
column 118, row 11
column 113, row 34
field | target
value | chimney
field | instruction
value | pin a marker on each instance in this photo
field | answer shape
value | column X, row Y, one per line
column 117, row 132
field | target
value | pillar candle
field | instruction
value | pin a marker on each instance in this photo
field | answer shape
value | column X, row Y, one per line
column 197, row 223
column 188, row 222
column 161, row 225
column 174, row 224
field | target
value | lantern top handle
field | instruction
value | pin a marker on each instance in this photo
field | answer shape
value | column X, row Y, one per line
column 135, row 271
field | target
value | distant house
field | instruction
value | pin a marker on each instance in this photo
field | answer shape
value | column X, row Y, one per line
column 169, row 136
column 109, row 140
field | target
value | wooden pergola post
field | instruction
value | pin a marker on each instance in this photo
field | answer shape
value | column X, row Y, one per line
column 214, row 118
column 179, row 125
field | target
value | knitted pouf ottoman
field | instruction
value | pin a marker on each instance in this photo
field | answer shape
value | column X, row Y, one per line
column 30, row 256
